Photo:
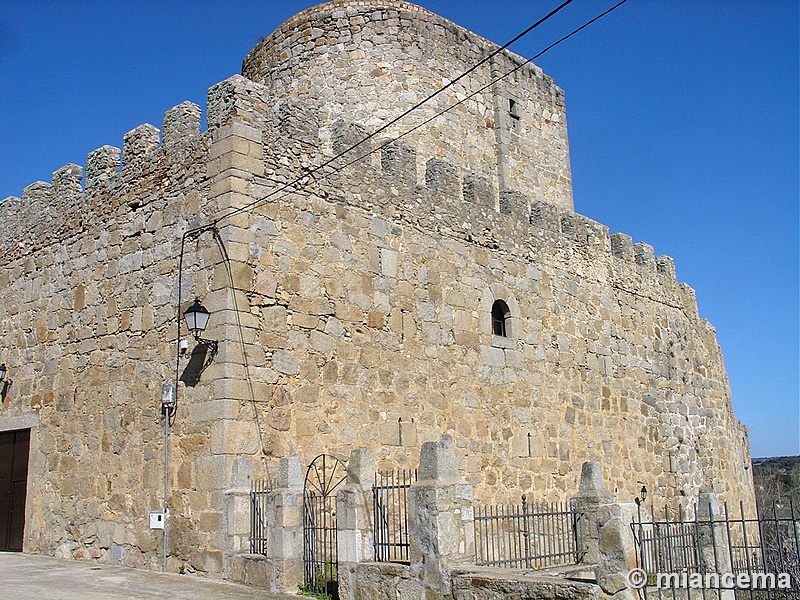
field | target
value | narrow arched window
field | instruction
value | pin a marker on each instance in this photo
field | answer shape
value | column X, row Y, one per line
column 500, row 316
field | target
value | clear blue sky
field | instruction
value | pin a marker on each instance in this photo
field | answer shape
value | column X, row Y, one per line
column 683, row 120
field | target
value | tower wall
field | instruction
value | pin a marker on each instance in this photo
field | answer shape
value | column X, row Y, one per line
column 366, row 63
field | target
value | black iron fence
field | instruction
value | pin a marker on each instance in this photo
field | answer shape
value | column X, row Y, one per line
column 527, row 536
column 258, row 517
column 390, row 494
column 670, row 544
column 719, row 556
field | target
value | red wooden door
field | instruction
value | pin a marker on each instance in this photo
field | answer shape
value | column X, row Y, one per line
column 14, row 447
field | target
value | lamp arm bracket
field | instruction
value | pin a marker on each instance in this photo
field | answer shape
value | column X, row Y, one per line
column 210, row 344
column 198, row 231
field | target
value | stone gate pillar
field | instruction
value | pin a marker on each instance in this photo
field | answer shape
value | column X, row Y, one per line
column 354, row 511
column 285, row 534
column 442, row 531
column 604, row 530
column 592, row 494
column 617, row 549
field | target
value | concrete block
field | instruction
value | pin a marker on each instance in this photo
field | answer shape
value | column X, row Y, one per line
column 361, row 467
column 290, row 472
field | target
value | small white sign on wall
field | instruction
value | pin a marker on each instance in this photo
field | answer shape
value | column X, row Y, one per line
column 157, row 519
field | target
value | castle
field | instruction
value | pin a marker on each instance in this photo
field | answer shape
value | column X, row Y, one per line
column 433, row 279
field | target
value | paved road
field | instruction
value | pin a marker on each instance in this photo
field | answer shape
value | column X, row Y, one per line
column 29, row 577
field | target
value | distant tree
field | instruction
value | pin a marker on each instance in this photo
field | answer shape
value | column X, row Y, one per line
column 777, row 487
column 777, row 482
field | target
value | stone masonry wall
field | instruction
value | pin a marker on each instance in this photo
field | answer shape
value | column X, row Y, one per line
column 378, row 327
column 374, row 291
column 350, row 303
column 87, row 325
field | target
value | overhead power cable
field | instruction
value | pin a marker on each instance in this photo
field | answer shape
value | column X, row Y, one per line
column 481, row 89
column 290, row 186
column 410, row 110
column 196, row 231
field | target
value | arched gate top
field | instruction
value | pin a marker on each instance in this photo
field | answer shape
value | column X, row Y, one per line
column 324, row 475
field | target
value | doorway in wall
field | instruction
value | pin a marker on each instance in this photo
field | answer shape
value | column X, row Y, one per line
column 14, row 449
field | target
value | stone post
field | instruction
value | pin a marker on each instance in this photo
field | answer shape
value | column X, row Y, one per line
column 442, row 531
column 592, row 494
column 713, row 539
column 236, row 503
column 604, row 529
column 617, row 549
column 285, row 534
column 354, row 510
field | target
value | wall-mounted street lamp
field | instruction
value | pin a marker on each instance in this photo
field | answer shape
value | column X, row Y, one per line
column 643, row 492
column 196, row 317
column 639, row 502
column 4, row 383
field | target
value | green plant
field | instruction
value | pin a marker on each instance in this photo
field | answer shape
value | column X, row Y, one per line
column 310, row 592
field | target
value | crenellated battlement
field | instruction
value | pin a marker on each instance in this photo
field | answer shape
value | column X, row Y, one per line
column 394, row 177
column 400, row 179
column 76, row 196
column 101, row 165
column 358, row 64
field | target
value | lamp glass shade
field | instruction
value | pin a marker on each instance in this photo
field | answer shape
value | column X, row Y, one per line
column 196, row 317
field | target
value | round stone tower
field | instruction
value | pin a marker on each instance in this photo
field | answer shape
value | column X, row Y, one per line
column 362, row 63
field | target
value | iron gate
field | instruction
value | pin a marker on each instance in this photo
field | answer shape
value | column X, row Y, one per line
column 320, row 555
column 390, row 515
column 528, row 535
column 259, row 498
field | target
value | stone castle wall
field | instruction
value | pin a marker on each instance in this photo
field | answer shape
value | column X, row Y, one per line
column 351, row 308
column 608, row 356
column 87, row 326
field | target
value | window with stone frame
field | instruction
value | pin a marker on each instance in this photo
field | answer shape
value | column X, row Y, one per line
column 501, row 319
column 513, row 112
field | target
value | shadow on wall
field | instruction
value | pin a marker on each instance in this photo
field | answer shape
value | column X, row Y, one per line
column 201, row 358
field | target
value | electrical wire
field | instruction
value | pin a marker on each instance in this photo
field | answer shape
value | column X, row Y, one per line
column 290, row 186
column 171, row 412
column 470, row 96
column 227, row 261
column 384, row 127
